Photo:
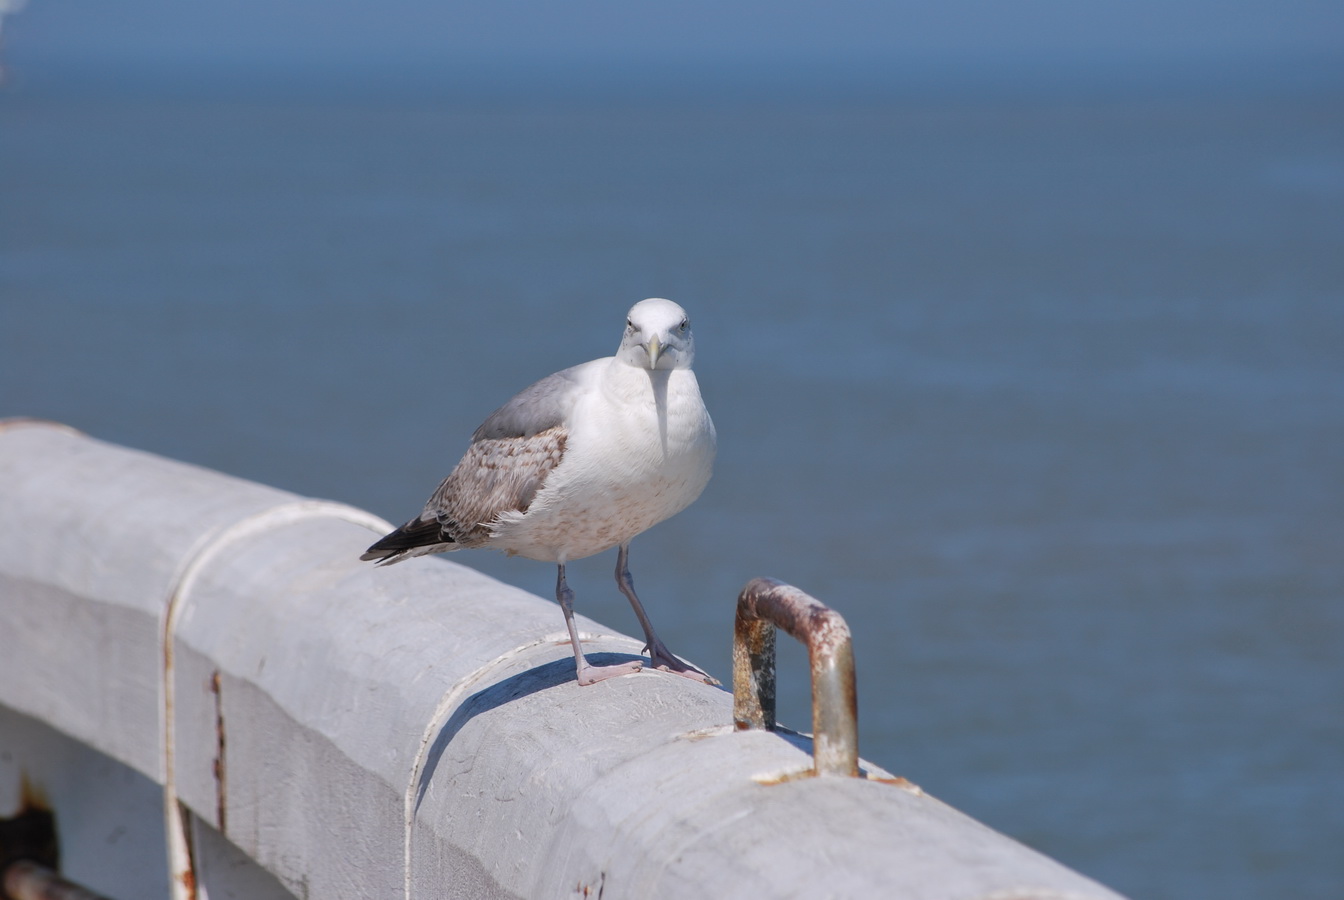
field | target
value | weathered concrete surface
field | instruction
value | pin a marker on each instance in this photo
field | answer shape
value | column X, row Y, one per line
column 415, row 731
column 92, row 542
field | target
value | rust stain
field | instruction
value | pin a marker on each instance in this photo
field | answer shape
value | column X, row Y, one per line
column 221, row 773
column 188, row 879
column 785, row 777
column 904, row 784
column 765, row 604
column 31, row 795
column 187, row 876
column 29, row 834
column 802, row 774
column 587, row 890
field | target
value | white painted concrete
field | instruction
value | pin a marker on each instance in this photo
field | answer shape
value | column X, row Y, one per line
column 333, row 730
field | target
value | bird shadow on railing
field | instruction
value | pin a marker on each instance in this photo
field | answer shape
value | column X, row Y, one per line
column 532, row 681
column 515, row 687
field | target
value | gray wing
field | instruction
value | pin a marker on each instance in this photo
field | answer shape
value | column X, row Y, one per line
column 510, row 456
column 496, row 476
column 534, row 409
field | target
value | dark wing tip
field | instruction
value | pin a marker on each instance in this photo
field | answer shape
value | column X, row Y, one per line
column 415, row 533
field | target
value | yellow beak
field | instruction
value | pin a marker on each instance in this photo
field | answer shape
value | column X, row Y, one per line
column 655, row 351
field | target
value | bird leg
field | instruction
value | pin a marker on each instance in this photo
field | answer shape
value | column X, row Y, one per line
column 659, row 655
column 587, row 674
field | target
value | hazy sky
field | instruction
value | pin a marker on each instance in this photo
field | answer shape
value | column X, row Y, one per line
column 48, row 33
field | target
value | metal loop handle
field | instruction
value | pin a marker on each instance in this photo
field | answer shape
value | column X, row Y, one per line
column 764, row 604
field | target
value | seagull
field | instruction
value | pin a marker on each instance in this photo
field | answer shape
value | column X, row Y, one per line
column 580, row 462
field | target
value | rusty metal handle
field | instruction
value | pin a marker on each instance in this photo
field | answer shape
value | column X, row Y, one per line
column 764, row 604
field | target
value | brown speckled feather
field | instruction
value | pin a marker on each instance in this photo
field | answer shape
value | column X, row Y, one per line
column 496, row 476
column 510, row 456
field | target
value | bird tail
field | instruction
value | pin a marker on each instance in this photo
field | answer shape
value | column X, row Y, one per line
column 417, row 537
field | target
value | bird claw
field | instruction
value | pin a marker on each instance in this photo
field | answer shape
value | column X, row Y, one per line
column 593, row 674
column 663, row 660
column 691, row 673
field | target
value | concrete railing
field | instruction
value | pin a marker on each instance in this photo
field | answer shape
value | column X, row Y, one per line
column 200, row 663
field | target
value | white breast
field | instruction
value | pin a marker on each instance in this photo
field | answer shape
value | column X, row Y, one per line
column 639, row 449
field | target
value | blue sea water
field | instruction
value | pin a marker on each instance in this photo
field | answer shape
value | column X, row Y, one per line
column 1044, row 394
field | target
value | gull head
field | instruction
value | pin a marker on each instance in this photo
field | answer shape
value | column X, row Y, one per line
column 657, row 336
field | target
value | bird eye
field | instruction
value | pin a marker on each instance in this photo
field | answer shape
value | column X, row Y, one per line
column 685, row 323
column 630, row 325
